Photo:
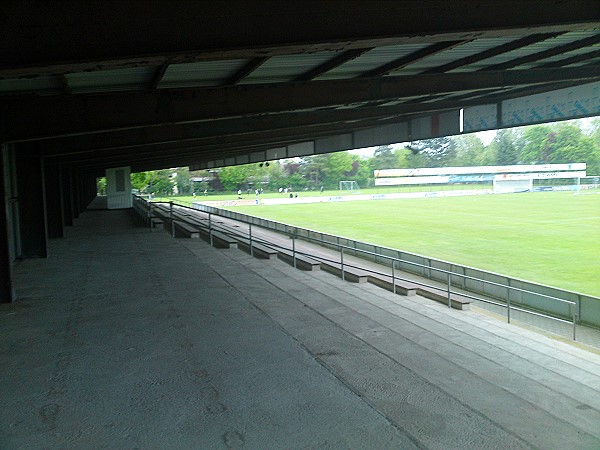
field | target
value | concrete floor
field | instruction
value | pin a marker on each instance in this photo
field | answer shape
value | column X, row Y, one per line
column 124, row 338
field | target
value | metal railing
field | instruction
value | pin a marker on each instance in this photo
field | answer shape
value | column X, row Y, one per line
column 394, row 262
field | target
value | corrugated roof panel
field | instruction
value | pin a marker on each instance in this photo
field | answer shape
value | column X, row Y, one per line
column 580, row 51
column 44, row 85
column 203, row 73
column 547, row 44
column 110, row 80
column 452, row 54
column 585, row 63
column 370, row 60
column 278, row 69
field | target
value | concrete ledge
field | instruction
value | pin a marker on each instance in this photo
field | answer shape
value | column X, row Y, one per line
column 221, row 240
column 155, row 222
column 302, row 262
column 439, row 295
column 402, row 287
column 182, row 229
column 350, row 274
column 258, row 250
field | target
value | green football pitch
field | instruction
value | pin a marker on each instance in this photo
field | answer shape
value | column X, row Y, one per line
column 551, row 238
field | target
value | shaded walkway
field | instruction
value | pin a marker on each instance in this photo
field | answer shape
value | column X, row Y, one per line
column 125, row 338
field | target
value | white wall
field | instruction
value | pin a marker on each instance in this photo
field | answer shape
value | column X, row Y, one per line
column 118, row 188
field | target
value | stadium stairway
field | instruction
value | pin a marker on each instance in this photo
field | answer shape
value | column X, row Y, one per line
column 455, row 379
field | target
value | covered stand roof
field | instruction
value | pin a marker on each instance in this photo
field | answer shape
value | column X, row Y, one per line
column 154, row 85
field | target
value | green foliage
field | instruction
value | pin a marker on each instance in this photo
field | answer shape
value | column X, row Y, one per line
column 562, row 143
column 235, row 177
column 161, row 182
column 101, row 185
column 385, row 158
column 506, row 151
column 435, row 152
column 468, row 150
column 140, row 180
column 182, row 180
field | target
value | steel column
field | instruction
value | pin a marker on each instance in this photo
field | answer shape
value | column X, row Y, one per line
column 32, row 204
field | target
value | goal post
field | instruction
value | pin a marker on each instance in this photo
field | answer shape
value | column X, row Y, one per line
column 351, row 186
column 510, row 184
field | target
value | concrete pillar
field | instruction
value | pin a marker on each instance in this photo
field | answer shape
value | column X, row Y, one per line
column 7, row 292
column 75, row 193
column 90, row 188
column 54, row 201
column 67, row 196
column 32, row 204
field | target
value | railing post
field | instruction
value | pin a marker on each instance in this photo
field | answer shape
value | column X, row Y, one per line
column 150, row 214
column 250, row 238
column 449, row 289
column 394, row 276
column 342, row 262
column 508, row 303
column 171, row 217
column 294, row 249
column 210, row 239
column 575, row 317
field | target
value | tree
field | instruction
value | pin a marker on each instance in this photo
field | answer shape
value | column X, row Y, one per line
column 506, row 151
column 535, row 150
column 385, row 158
column 161, row 182
column 141, row 180
column 235, row 177
column 560, row 144
column 101, row 185
column 182, row 180
column 435, row 152
column 339, row 167
column 468, row 148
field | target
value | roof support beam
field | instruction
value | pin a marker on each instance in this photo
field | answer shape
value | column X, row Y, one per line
column 545, row 54
column 400, row 63
column 337, row 61
column 30, row 119
column 248, row 68
column 572, row 60
column 508, row 47
column 158, row 75
column 190, row 132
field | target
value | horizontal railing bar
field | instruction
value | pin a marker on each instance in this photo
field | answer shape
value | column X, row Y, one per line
column 257, row 221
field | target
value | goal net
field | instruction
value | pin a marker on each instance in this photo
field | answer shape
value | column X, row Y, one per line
column 349, row 186
column 509, row 184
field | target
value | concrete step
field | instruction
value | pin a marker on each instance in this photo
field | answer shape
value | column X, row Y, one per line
column 479, row 359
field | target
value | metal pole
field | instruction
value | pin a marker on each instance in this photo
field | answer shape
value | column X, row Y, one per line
column 508, row 303
column 342, row 262
column 294, row 248
column 449, row 289
column 150, row 214
column 575, row 315
column 171, row 217
column 250, row 239
column 210, row 229
column 394, row 275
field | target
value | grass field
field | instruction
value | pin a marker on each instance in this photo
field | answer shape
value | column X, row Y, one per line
column 551, row 238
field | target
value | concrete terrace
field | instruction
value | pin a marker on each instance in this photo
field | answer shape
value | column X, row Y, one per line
column 124, row 338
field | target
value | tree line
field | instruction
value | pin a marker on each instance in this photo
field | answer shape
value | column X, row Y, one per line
column 565, row 142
